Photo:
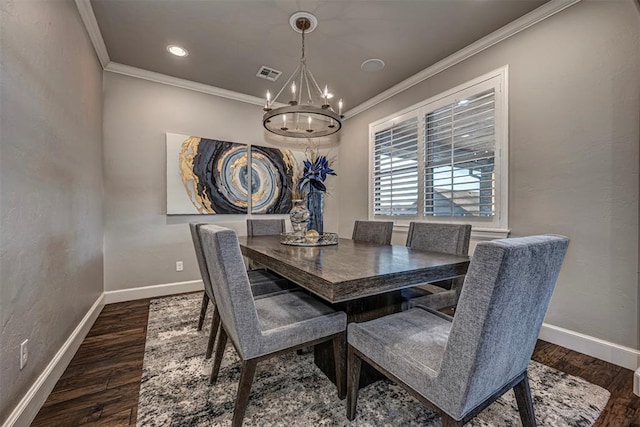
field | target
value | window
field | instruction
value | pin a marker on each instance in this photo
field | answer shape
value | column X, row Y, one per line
column 395, row 165
column 445, row 158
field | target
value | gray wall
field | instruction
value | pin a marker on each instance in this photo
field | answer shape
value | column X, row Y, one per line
column 142, row 243
column 50, row 185
column 574, row 108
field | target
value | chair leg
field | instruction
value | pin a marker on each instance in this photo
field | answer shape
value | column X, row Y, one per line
column 247, row 372
column 217, row 358
column 203, row 310
column 353, row 382
column 339, row 356
column 215, row 325
column 525, row 403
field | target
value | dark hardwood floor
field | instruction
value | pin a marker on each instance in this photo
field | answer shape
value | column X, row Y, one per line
column 101, row 384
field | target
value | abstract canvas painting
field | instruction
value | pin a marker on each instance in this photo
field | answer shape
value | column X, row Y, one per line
column 274, row 173
column 206, row 176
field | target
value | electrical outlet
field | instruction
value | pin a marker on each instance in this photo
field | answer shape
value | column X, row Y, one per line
column 179, row 266
column 24, row 354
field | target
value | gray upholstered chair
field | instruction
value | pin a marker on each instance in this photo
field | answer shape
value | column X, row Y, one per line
column 459, row 366
column 446, row 238
column 262, row 282
column 266, row 326
column 263, row 227
column 373, row 232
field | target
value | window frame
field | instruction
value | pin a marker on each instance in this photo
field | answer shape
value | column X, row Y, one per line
column 496, row 226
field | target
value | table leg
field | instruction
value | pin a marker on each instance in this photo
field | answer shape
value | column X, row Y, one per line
column 359, row 310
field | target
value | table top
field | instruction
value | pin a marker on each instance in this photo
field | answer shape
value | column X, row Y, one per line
column 350, row 269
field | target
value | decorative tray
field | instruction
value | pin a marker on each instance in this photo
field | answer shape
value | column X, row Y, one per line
column 323, row 239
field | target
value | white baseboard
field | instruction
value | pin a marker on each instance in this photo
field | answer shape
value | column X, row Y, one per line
column 28, row 407
column 620, row 355
column 153, row 291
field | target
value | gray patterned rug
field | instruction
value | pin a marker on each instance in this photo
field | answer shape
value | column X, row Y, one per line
column 290, row 390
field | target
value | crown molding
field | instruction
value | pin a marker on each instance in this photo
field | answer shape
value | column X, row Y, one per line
column 543, row 12
column 90, row 23
column 127, row 70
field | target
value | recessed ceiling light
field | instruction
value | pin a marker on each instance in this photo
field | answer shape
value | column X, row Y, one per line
column 372, row 65
column 177, row 50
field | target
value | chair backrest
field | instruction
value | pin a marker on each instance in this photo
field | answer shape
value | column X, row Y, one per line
column 446, row 238
column 503, row 302
column 265, row 227
column 231, row 288
column 202, row 263
column 373, row 232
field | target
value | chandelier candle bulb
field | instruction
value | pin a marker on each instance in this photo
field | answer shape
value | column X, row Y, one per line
column 284, row 122
column 293, row 94
column 267, row 105
column 340, row 107
column 309, row 127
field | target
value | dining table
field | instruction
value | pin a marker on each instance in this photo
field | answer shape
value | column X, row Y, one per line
column 362, row 279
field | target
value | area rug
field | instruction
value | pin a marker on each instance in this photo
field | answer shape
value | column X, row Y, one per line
column 291, row 391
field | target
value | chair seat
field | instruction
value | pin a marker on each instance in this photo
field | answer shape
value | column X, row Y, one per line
column 264, row 282
column 430, row 296
column 292, row 318
column 422, row 290
column 263, row 275
column 409, row 344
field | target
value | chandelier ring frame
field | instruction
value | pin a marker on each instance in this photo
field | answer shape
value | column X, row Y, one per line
column 306, row 110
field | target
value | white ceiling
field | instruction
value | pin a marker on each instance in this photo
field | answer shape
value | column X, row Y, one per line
column 228, row 40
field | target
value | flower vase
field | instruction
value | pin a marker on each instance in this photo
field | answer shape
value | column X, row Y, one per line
column 315, row 204
column 299, row 216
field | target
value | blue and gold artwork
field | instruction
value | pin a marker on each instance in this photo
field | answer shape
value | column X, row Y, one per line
column 208, row 176
column 214, row 176
column 273, row 173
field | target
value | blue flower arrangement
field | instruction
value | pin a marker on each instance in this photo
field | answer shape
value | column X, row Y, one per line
column 314, row 174
column 311, row 186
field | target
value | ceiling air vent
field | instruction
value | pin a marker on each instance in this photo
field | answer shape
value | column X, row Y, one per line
column 268, row 73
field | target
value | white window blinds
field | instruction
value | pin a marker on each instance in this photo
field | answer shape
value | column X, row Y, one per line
column 459, row 154
column 395, row 169
column 445, row 159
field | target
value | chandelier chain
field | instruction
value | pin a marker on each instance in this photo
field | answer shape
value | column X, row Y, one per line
column 302, row 59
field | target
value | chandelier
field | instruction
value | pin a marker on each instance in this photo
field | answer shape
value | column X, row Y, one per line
column 308, row 113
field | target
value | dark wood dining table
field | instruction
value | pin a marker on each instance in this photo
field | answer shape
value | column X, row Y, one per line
column 362, row 279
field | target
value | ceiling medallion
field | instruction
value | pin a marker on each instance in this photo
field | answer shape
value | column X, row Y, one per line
column 308, row 113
